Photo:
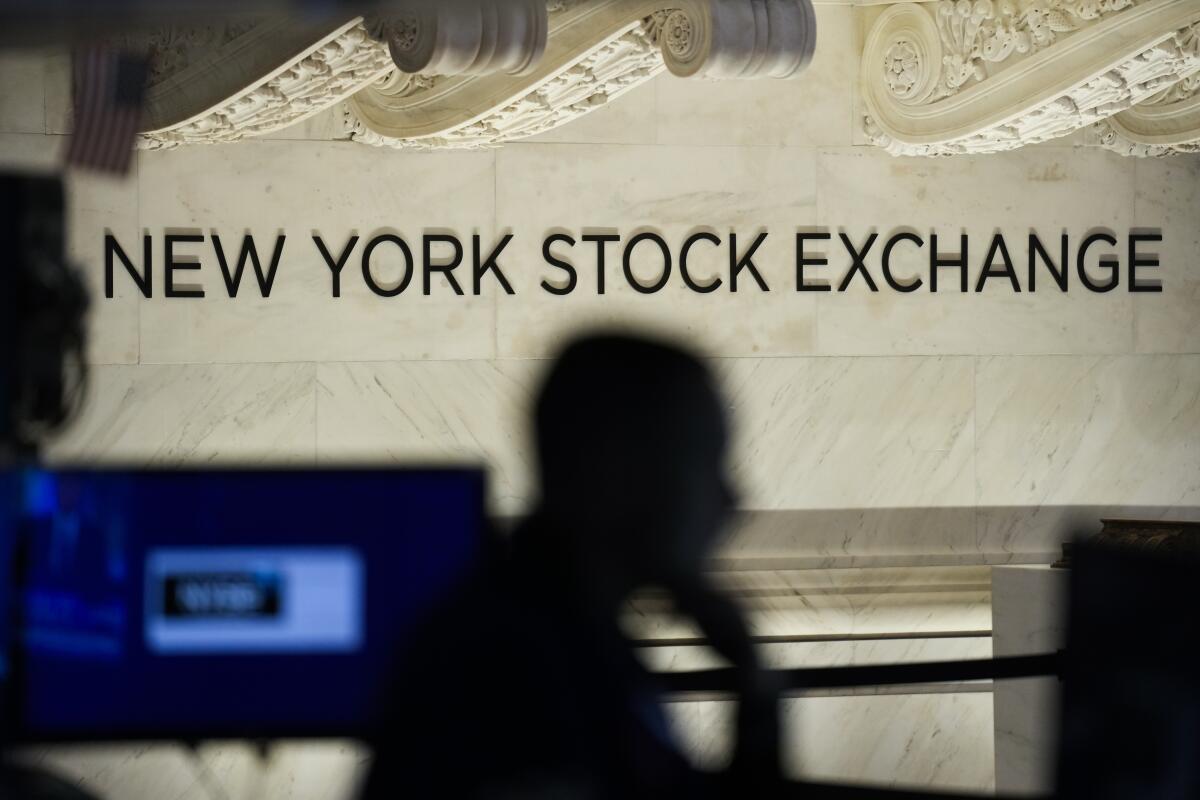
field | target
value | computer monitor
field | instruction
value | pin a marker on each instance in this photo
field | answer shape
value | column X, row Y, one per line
column 212, row 604
column 1130, row 725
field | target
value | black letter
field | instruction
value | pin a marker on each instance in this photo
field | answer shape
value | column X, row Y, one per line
column 935, row 262
column 171, row 264
column 233, row 282
column 1060, row 274
column 553, row 261
column 448, row 269
column 143, row 280
column 803, row 261
column 366, row 265
column 736, row 264
column 626, row 263
column 997, row 245
column 600, row 239
column 1112, row 265
column 858, row 262
column 490, row 264
column 683, row 270
column 903, row 236
column 1135, row 262
column 336, row 268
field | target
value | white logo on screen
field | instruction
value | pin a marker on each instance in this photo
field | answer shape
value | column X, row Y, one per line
column 247, row 601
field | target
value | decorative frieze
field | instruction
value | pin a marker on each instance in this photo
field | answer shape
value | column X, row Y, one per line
column 483, row 72
column 978, row 76
column 955, row 76
column 1164, row 124
column 333, row 69
column 602, row 75
column 597, row 51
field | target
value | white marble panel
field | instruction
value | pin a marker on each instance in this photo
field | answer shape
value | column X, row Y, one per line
column 56, row 80
column 1168, row 198
column 864, row 190
column 675, row 191
column 627, row 119
column 813, row 108
column 194, row 414
column 794, row 655
column 920, row 456
column 882, row 613
column 850, row 537
column 1067, row 430
column 323, row 126
column 836, row 602
column 337, row 189
column 34, row 153
column 1028, row 617
column 435, row 411
column 916, row 740
column 291, row 771
column 852, row 432
column 22, row 108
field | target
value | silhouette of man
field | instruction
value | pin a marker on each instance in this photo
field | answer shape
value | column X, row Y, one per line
column 523, row 685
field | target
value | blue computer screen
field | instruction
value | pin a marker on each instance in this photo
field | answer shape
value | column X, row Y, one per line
column 226, row 603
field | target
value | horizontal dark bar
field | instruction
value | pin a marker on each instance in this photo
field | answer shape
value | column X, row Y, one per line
column 699, row 641
column 803, row 790
column 723, row 680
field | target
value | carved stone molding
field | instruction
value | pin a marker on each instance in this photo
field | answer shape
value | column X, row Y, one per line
column 334, row 66
column 1165, row 124
column 467, row 38
column 416, row 108
column 463, row 74
column 979, row 76
column 596, row 51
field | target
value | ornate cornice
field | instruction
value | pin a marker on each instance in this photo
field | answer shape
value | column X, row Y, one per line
column 595, row 51
column 596, row 78
column 1164, row 124
column 336, row 65
column 952, row 76
column 965, row 76
column 467, row 74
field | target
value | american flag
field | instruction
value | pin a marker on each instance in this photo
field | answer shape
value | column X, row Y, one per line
column 110, row 85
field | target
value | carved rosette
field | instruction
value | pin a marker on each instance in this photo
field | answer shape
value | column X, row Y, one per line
column 467, row 38
column 739, row 38
column 979, row 76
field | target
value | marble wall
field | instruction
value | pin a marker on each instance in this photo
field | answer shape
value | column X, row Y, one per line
column 873, row 431
column 1029, row 609
column 1002, row 414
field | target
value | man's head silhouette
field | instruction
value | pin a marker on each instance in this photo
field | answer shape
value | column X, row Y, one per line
column 631, row 439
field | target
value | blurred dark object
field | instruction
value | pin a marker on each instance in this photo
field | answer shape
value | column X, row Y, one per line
column 249, row 587
column 42, row 369
column 109, row 91
column 19, row 782
column 32, row 23
column 631, row 438
column 1131, row 697
column 1158, row 535
column 1165, row 537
